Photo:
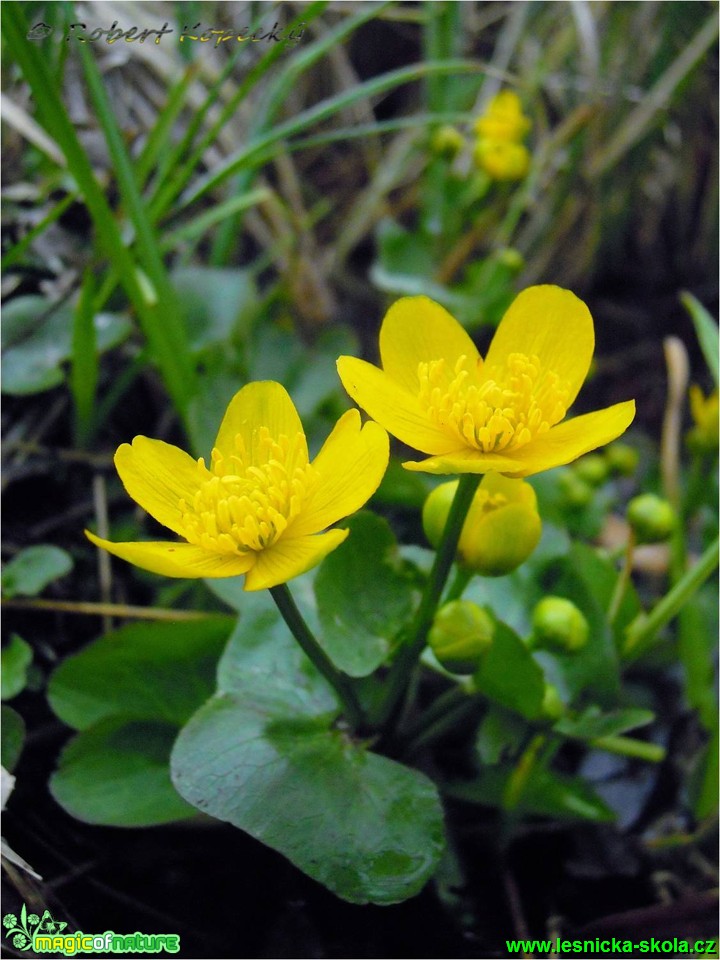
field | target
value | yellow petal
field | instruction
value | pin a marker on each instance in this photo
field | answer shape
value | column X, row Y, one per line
column 573, row 438
column 552, row 324
column 263, row 403
column 157, row 475
column 349, row 468
column 464, row 461
column 176, row 559
column 416, row 330
column 289, row 558
column 394, row 407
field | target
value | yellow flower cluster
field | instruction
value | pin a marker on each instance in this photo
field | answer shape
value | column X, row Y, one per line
column 260, row 506
column 703, row 437
column 499, row 150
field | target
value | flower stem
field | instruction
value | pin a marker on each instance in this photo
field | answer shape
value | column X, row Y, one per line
column 517, row 782
column 402, row 669
column 340, row 682
column 462, row 578
column 623, row 580
column 629, row 747
column 641, row 632
column 447, row 712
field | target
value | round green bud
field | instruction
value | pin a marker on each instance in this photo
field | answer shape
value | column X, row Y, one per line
column 593, row 469
column 576, row 493
column 552, row 706
column 559, row 625
column 447, row 141
column 460, row 634
column 436, row 509
column 501, row 529
column 510, row 258
column 651, row 518
column 622, row 458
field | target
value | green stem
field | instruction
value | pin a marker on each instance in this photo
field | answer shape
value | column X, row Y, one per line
column 452, row 718
column 402, row 669
column 628, row 747
column 521, row 774
column 438, row 708
column 462, row 578
column 339, row 681
column 623, row 580
column 641, row 632
column 697, row 483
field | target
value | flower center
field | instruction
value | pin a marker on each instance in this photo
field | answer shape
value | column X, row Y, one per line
column 244, row 505
column 493, row 409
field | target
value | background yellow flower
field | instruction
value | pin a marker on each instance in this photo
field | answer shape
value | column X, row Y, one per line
column 258, row 507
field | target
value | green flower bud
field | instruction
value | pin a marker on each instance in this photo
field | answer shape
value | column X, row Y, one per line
column 460, row 634
column 576, row 493
column 652, row 518
column 510, row 258
column 559, row 625
column 622, row 458
column 436, row 509
column 502, row 527
column 447, row 141
column 552, row 706
column 592, row 469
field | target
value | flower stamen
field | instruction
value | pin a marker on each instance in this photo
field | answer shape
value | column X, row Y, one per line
column 493, row 409
column 246, row 503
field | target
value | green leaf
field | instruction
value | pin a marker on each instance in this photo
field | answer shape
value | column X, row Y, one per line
column 509, row 675
column 268, row 760
column 16, row 658
column 13, row 737
column 592, row 723
column 706, row 330
column 308, row 373
column 117, row 773
column 402, row 488
column 406, row 265
column 263, row 650
column 364, row 596
column 546, row 793
column 265, row 755
column 37, row 340
column 217, row 304
column 501, row 735
column 31, row 570
column 146, row 671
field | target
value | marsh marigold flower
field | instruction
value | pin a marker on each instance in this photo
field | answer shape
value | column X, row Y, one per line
column 499, row 150
column 503, row 119
column 260, row 505
column 436, row 394
column 501, row 160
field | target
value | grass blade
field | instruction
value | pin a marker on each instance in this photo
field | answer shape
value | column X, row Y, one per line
column 84, row 365
column 706, row 330
column 174, row 365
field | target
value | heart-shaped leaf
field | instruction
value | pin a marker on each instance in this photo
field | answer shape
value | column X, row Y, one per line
column 266, row 755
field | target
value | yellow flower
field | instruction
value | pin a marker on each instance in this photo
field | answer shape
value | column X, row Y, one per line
column 503, row 119
column 437, row 395
column 258, row 508
column 502, row 160
column 704, row 435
